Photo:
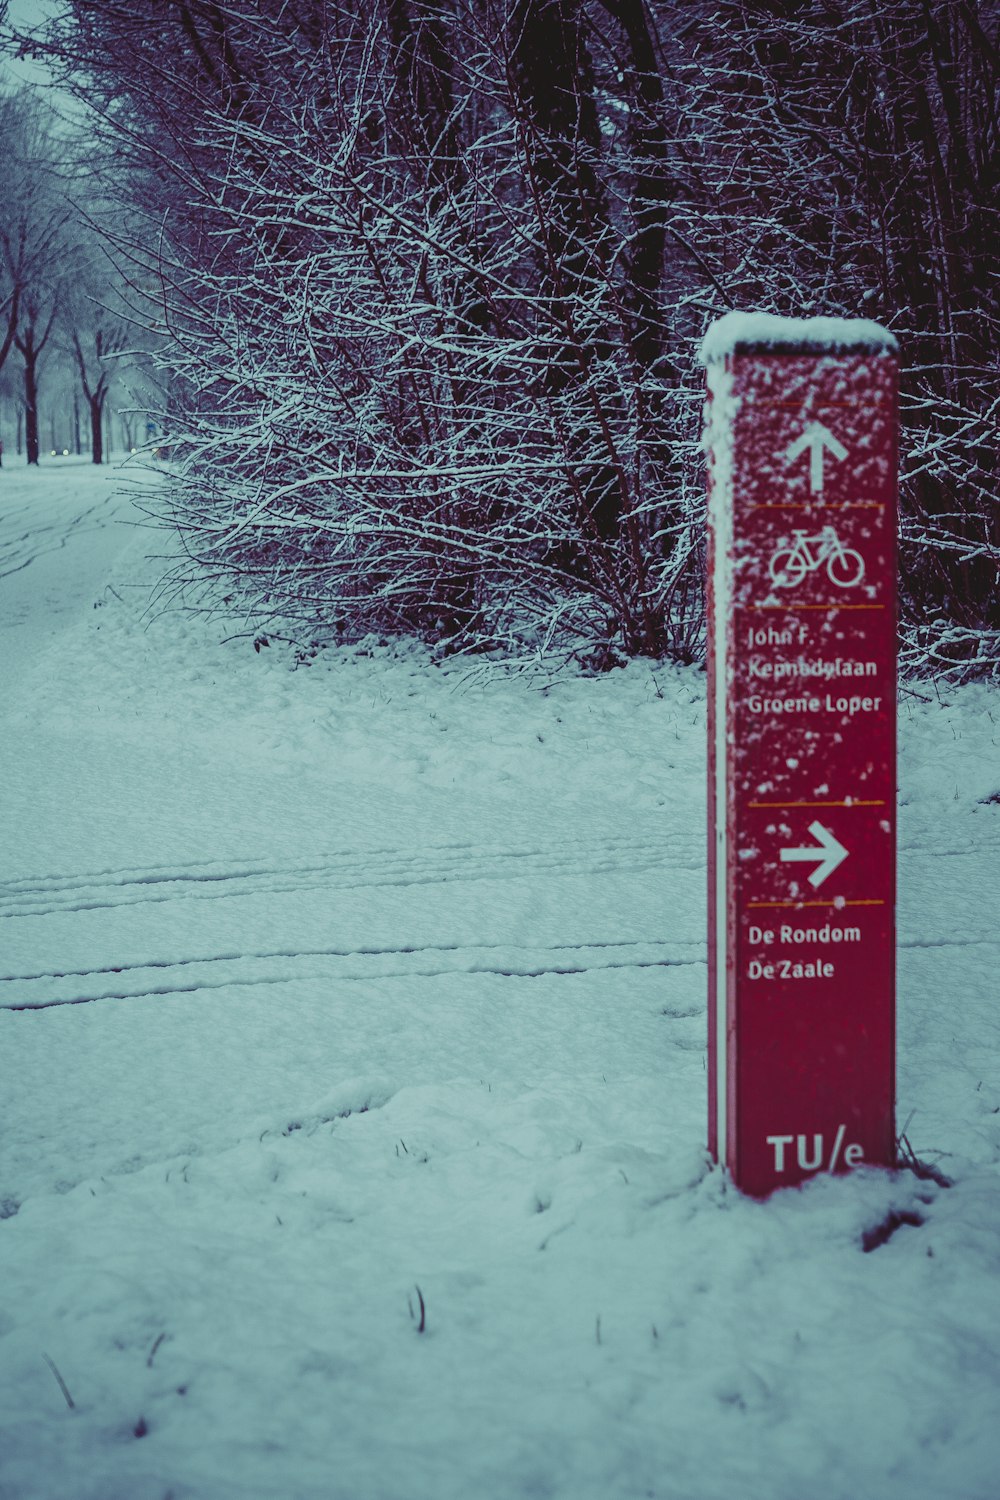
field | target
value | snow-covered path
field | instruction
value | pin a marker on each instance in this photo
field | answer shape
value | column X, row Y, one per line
column 58, row 535
column 353, row 1084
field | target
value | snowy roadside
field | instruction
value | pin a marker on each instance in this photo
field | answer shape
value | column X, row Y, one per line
column 368, row 995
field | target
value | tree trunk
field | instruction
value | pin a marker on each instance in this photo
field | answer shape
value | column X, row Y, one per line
column 422, row 53
column 96, row 404
column 655, row 187
column 31, row 410
column 555, row 97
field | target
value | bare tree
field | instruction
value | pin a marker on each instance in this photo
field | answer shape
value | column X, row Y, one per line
column 25, row 236
column 39, row 308
column 33, row 215
column 95, row 326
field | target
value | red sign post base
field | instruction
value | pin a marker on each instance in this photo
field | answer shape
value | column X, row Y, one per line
column 801, row 437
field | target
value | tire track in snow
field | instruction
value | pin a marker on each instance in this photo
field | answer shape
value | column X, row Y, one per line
column 270, row 954
column 361, row 870
column 185, row 973
column 296, row 953
column 45, row 533
column 217, row 868
column 529, row 962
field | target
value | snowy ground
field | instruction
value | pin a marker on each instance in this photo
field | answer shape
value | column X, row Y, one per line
column 353, row 1084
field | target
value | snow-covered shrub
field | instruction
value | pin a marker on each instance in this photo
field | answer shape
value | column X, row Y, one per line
column 843, row 159
column 420, row 364
column 433, row 274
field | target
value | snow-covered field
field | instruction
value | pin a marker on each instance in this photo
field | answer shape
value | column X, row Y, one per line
column 353, row 1083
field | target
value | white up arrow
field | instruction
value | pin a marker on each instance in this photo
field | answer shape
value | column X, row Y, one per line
column 829, row 851
column 816, row 437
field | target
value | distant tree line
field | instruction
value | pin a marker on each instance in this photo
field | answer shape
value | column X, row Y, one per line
column 430, row 275
column 62, row 318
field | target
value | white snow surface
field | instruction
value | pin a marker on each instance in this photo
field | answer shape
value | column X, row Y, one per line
column 353, row 1082
column 767, row 330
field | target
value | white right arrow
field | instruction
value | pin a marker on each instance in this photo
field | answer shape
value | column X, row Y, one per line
column 829, row 851
column 816, row 437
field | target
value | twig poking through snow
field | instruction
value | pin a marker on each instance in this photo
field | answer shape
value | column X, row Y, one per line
column 926, row 1171
column 152, row 1353
column 62, row 1384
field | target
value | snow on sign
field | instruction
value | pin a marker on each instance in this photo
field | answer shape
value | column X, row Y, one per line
column 801, row 437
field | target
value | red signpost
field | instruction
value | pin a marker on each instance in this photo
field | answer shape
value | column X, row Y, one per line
column 802, row 436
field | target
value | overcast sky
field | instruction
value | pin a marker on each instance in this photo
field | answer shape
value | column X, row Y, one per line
column 24, row 15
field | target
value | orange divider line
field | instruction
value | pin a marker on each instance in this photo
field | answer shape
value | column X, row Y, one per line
column 818, row 504
column 797, row 404
column 828, row 607
column 757, row 905
column 853, row 802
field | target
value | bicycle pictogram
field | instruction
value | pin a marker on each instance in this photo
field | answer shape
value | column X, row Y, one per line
column 805, row 554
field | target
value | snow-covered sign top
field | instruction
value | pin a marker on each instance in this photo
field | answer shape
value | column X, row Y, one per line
column 739, row 332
